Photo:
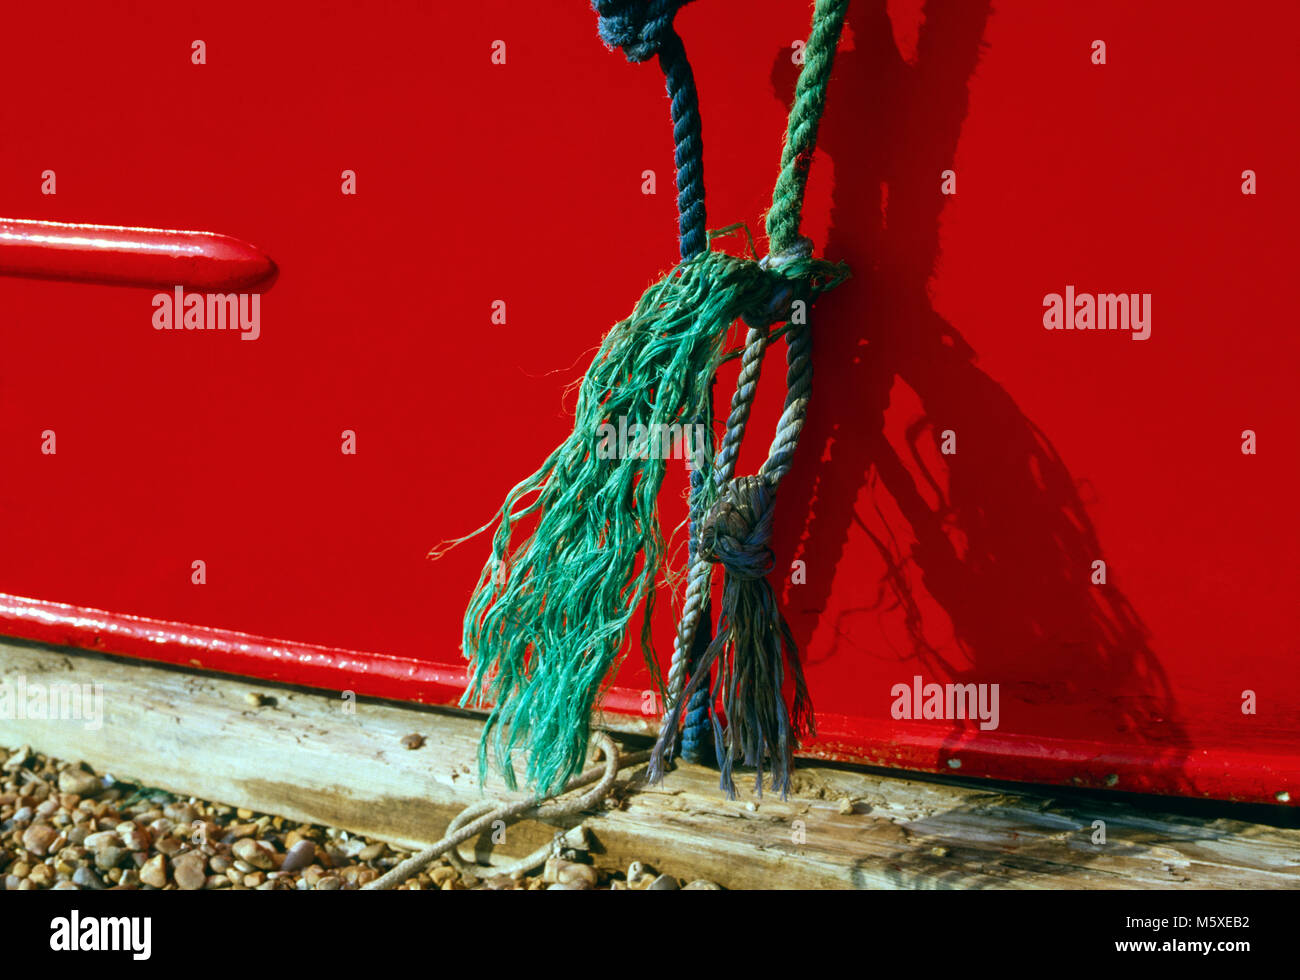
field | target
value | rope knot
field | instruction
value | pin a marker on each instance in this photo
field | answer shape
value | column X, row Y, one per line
column 800, row 248
column 639, row 27
column 737, row 530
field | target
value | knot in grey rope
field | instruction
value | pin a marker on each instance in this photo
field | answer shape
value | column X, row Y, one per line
column 737, row 531
column 641, row 28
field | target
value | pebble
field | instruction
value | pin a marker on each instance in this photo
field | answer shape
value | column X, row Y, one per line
column 701, row 885
column 154, row 871
column 41, row 876
column 350, row 848
column 102, row 838
column 109, row 856
column 329, row 883
column 135, row 837
column 18, row 759
column 255, row 852
column 187, row 870
column 846, row 806
column 371, row 852
column 413, row 741
column 38, row 837
column 80, row 782
column 303, row 853
column 561, row 872
column 442, row 874
column 180, row 813
column 85, row 878
column 664, row 883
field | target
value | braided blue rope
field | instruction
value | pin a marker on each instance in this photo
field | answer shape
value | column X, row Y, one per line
column 697, row 731
column 644, row 29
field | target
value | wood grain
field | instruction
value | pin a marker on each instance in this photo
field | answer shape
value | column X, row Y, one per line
column 322, row 758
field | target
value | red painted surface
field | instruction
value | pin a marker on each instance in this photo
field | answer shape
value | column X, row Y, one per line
column 522, row 182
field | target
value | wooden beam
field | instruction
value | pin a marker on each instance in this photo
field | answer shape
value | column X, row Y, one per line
column 313, row 757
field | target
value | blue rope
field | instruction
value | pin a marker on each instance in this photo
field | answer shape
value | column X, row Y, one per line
column 643, row 29
column 697, row 731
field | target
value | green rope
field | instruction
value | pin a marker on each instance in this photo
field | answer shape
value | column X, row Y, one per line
column 577, row 548
column 805, row 116
column 549, row 615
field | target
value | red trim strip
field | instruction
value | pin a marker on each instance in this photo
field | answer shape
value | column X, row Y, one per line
column 1255, row 775
column 119, row 256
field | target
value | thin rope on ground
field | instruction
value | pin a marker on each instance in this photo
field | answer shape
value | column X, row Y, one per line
column 534, row 809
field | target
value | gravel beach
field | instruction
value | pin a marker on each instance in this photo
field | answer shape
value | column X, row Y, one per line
column 65, row 827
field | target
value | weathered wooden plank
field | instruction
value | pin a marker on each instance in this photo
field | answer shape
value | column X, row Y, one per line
column 329, row 759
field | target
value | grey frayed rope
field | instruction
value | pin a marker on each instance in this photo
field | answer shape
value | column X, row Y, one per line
column 736, row 533
column 534, row 809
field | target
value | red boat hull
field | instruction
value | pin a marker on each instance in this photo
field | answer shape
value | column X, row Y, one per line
column 963, row 470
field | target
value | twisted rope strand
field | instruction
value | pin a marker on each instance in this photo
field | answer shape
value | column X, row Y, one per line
column 642, row 30
column 805, row 117
column 688, row 145
column 701, row 569
column 738, row 526
column 534, row 809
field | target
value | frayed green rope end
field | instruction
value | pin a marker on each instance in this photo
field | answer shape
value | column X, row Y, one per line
column 548, row 619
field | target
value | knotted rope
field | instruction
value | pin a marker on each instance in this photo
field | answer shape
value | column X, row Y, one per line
column 736, row 532
column 548, row 619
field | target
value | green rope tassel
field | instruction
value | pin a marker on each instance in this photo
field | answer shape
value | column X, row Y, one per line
column 548, row 618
